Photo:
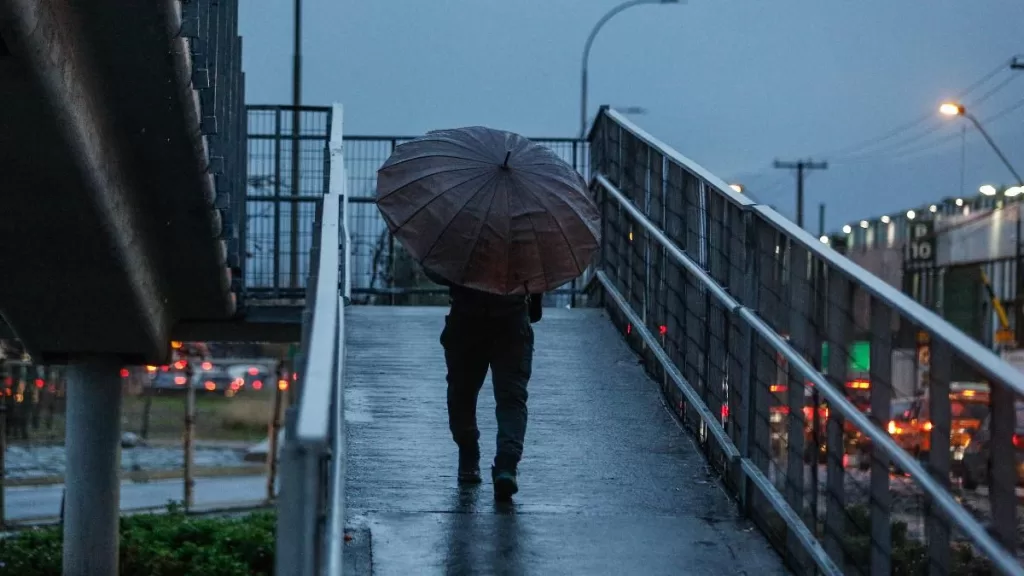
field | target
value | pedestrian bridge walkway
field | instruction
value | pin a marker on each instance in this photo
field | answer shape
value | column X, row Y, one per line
column 711, row 391
column 609, row 482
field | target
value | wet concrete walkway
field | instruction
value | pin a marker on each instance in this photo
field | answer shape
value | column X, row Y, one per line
column 609, row 483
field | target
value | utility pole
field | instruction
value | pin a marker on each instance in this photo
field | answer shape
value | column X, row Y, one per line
column 295, row 152
column 801, row 166
column 821, row 219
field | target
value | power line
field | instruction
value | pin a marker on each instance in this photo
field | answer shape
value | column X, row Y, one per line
column 868, row 143
column 929, row 146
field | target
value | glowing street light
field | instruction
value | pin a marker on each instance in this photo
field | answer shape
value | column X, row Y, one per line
column 738, row 188
column 1013, row 191
column 959, row 201
column 988, row 190
column 957, row 109
column 847, row 229
column 863, row 223
column 824, row 239
column 885, row 219
column 933, row 208
column 951, row 109
column 911, row 214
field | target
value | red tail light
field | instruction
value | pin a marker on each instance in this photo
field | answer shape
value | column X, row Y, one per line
column 40, row 383
column 124, row 373
column 725, row 411
column 257, row 385
column 1018, row 441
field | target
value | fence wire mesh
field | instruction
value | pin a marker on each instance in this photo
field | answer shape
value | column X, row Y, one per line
column 282, row 192
column 952, row 408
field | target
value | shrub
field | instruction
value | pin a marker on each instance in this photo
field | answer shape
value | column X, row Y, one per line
column 170, row 544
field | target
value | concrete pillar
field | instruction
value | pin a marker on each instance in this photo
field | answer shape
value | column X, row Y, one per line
column 93, row 445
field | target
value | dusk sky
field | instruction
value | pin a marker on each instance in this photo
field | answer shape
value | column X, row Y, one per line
column 732, row 84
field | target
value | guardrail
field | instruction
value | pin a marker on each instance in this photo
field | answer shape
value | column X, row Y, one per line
column 757, row 332
column 311, row 505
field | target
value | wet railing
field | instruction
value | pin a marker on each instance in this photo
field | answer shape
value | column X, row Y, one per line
column 863, row 433
column 311, row 505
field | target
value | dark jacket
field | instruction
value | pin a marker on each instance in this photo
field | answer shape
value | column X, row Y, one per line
column 489, row 304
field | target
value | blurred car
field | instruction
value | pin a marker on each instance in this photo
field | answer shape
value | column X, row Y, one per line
column 253, row 376
column 969, row 405
column 977, row 455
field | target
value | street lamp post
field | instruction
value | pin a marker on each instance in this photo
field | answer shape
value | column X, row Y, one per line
column 590, row 42
column 957, row 109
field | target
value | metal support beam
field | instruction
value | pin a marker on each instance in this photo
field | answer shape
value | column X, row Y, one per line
column 93, row 448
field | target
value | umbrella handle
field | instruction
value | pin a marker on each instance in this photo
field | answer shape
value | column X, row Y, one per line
column 507, row 156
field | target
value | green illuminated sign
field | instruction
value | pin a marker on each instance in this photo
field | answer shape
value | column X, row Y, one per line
column 859, row 361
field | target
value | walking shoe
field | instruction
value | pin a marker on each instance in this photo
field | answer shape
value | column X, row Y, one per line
column 469, row 467
column 505, row 484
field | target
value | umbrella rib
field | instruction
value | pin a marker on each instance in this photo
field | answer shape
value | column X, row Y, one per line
column 477, row 241
column 424, row 177
column 536, row 237
column 457, row 212
column 454, row 142
column 561, row 230
column 423, row 156
column 432, row 200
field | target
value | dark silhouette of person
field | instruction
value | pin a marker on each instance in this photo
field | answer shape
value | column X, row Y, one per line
column 485, row 331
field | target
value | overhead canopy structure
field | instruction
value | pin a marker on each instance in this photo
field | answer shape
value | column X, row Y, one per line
column 121, row 140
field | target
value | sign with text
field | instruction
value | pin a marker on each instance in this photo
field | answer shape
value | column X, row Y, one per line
column 921, row 248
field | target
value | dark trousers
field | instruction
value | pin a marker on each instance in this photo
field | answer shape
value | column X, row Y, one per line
column 472, row 344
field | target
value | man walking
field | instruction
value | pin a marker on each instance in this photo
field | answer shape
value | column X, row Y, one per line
column 488, row 331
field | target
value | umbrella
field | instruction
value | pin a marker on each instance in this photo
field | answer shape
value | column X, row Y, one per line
column 489, row 210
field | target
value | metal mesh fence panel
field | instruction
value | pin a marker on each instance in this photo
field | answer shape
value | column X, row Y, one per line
column 862, row 432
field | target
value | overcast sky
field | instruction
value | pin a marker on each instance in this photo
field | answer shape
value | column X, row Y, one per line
column 732, row 84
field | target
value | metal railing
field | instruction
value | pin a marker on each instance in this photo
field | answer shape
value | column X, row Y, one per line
column 287, row 175
column 790, row 363
column 311, row 506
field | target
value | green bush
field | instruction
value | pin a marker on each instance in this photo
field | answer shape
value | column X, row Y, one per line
column 909, row 556
column 170, row 544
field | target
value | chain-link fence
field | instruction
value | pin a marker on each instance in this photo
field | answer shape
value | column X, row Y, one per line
column 863, row 433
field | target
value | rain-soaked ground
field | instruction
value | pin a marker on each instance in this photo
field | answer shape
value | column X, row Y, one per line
column 609, row 483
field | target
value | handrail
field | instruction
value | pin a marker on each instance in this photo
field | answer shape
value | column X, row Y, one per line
column 314, row 415
column 980, row 357
column 836, row 400
column 311, row 507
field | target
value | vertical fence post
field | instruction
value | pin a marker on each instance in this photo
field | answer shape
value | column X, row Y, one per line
column 881, row 407
column 839, row 322
column 798, row 323
column 189, row 447
column 939, row 412
column 278, row 202
column 274, row 431
column 1002, row 482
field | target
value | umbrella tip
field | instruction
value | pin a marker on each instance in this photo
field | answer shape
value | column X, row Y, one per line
column 507, row 156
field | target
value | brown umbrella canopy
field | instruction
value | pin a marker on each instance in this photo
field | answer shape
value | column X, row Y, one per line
column 489, row 210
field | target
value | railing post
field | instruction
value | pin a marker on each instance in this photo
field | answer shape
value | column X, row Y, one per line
column 936, row 527
column 840, row 298
column 278, row 201
column 881, row 407
column 749, row 382
column 799, row 308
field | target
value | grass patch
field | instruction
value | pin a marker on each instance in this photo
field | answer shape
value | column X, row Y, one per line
column 244, row 417
column 171, row 544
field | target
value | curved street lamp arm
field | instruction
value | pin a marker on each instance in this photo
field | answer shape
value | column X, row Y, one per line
column 586, row 55
column 998, row 152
